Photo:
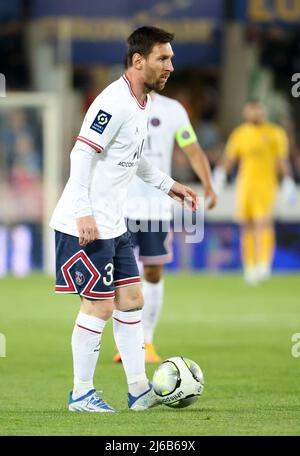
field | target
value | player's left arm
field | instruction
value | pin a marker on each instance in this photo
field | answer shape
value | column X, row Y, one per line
column 284, row 167
column 162, row 181
column 288, row 186
column 200, row 165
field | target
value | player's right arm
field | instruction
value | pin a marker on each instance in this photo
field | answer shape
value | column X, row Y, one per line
column 80, row 175
column 288, row 186
column 229, row 159
column 101, row 122
column 87, row 230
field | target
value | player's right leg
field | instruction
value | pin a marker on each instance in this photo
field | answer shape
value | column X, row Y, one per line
column 248, row 250
column 87, row 271
column 244, row 215
column 264, row 232
column 265, row 235
column 86, row 344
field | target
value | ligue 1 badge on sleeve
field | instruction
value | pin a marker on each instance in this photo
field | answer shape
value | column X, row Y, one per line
column 101, row 121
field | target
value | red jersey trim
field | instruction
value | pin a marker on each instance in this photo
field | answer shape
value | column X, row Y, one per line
column 142, row 106
column 90, row 143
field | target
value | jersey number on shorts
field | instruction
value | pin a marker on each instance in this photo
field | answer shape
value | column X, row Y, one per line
column 108, row 280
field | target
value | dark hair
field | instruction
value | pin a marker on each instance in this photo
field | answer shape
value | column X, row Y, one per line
column 143, row 39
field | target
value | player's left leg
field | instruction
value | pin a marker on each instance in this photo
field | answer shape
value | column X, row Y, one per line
column 153, row 291
column 155, row 250
column 129, row 338
column 128, row 328
column 265, row 235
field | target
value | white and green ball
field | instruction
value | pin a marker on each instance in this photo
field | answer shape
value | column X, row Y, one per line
column 178, row 382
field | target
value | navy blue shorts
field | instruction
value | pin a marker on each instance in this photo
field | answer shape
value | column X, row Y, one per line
column 96, row 270
column 155, row 247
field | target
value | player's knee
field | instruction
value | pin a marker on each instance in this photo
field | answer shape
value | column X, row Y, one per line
column 134, row 300
column 98, row 308
column 247, row 226
column 106, row 312
column 153, row 273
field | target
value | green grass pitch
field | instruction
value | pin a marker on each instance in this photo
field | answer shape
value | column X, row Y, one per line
column 240, row 336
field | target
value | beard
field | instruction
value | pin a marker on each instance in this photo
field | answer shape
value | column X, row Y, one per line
column 157, row 86
column 153, row 82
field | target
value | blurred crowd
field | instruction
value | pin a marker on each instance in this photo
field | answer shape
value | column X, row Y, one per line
column 20, row 188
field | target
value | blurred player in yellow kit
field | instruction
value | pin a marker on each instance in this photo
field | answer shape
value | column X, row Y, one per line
column 261, row 149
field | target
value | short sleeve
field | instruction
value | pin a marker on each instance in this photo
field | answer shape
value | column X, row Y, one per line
column 102, row 121
column 281, row 143
column 232, row 146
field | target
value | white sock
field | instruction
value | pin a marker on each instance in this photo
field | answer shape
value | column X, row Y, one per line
column 153, row 299
column 129, row 338
column 86, row 339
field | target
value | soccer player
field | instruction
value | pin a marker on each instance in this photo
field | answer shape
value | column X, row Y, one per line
column 94, row 255
column 169, row 123
column 261, row 148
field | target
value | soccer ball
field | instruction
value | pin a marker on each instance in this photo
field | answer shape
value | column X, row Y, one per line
column 178, row 382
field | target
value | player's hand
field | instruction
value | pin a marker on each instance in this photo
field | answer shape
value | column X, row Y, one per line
column 211, row 197
column 87, row 229
column 289, row 190
column 185, row 195
column 219, row 179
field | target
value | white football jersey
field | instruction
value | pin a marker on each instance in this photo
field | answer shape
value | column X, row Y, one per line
column 167, row 118
column 115, row 126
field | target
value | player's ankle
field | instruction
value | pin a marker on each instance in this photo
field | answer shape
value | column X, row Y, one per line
column 81, row 388
column 138, row 388
column 264, row 270
column 250, row 274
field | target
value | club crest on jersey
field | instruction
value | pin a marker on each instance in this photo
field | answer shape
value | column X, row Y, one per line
column 155, row 122
column 79, row 278
column 101, row 121
column 185, row 134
